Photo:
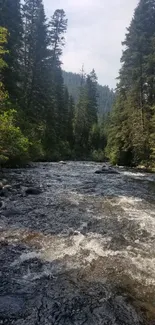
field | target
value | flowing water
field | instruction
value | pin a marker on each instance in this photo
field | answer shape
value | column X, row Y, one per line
column 82, row 251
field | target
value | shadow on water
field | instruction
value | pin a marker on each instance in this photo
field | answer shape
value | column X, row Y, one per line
column 82, row 252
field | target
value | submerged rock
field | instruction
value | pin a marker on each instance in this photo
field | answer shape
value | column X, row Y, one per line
column 106, row 170
column 4, row 192
column 4, row 181
column 1, row 186
column 33, row 191
column 1, row 204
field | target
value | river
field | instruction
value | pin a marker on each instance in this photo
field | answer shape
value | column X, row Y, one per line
column 82, row 252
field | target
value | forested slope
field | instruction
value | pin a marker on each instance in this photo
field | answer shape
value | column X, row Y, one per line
column 105, row 95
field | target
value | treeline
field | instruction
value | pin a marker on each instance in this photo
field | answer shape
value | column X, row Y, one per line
column 38, row 116
column 40, row 119
column 131, row 132
column 105, row 98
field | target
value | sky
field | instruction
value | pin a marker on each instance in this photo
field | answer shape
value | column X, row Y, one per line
column 96, row 29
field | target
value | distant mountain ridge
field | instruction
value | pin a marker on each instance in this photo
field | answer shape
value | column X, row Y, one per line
column 106, row 95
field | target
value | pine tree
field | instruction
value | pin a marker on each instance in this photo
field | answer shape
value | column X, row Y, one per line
column 35, row 54
column 91, row 89
column 58, row 27
column 3, row 64
column 81, row 125
column 56, row 117
column 10, row 18
column 70, row 120
column 136, row 89
column 152, row 137
column 86, row 113
column 105, row 98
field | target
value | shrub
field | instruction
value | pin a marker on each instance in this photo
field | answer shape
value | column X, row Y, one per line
column 98, row 155
column 14, row 147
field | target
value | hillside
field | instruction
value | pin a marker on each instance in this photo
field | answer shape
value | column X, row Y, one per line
column 105, row 94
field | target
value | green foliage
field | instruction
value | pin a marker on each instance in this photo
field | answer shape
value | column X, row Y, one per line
column 86, row 115
column 152, row 138
column 131, row 131
column 3, row 64
column 10, row 18
column 94, row 136
column 3, row 51
column 14, row 147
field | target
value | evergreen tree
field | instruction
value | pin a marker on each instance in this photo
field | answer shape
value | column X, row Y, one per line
column 91, row 88
column 10, row 18
column 135, row 90
column 58, row 26
column 35, row 54
column 70, row 120
column 3, row 64
column 81, row 124
column 56, row 115
column 105, row 97
column 86, row 113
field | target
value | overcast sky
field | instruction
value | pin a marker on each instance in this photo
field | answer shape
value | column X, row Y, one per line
column 96, row 29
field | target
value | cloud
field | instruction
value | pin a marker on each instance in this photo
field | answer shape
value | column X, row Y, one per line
column 95, row 32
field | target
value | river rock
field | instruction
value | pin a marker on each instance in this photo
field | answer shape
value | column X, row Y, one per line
column 4, row 181
column 106, row 170
column 11, row 212
column 62, row 162
column 7, row 187
column 1, row 204
column 4, row 192
column 33, row 191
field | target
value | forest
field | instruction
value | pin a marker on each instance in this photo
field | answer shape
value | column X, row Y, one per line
column 105, row 95
column 44, row 117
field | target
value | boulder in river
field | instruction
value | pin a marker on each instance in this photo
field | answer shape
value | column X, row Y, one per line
column 7, row 187
column 106, row 170
column 4, row 188
column 1, row 204
column 3, row 192
column 33, row 191
column 62, row 162
column 4, row 181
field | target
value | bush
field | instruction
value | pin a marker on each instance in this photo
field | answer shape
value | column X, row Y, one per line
column 14, row 147
column 98, row 155
column 36, row 152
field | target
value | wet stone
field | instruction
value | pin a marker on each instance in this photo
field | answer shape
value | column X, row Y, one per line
column 4, row 192
column 1, row 204
column 11, row 212
column 33, row 191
